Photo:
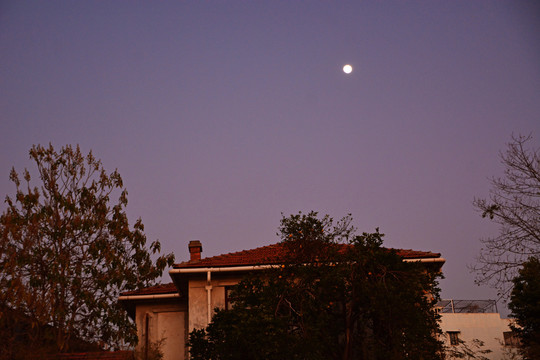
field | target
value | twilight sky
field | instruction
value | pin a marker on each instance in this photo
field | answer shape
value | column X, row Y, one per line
column 220, row 115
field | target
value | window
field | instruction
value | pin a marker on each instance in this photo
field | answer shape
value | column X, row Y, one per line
column 511, row 339
column 454, row 337
column 229, row 302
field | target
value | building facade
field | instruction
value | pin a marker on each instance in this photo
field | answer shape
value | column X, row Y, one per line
column 471, row 323
column 166, row 314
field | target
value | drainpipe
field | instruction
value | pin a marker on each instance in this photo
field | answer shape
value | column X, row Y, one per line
column 209, row 294
column 146, row 339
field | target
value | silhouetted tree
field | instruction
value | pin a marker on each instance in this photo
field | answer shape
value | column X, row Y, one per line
column 66, row 252
column 514, row 204
column 336, row 296
column 525, row 306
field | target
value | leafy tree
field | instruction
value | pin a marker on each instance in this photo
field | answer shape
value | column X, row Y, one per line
column 514, row 204
column 67, row 250
column 525, row 306
column 336, row 296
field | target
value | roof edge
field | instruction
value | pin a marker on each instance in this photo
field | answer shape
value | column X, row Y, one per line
column 148, row 297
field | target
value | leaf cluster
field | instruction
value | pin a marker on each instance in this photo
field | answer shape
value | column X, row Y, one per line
column 472, row 350
column 525, row 306
column 338, row 296
column 67, row 250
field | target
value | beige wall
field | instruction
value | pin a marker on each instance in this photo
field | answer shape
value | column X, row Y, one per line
column 173, row 319
column 163, row 320
column 198, row 298
column 487, row 327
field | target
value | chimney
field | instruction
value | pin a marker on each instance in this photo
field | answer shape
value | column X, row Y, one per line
column 195, row 250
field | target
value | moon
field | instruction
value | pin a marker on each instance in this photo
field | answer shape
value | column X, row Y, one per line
column 347, row 69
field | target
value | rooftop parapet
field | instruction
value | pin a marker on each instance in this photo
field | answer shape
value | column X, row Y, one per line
column 467, row 306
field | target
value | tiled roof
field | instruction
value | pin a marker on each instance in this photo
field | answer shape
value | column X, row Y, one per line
column 101, row 355
column 274, row 254
column 153, row 290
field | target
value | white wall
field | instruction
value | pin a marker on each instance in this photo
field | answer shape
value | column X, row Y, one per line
column 487, row 327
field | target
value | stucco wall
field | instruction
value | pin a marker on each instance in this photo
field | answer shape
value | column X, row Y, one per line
column 198, row 297
column 487, row 327
column 164, row 319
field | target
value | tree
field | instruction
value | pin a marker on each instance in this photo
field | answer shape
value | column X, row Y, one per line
column 337, row 295
column 67, row 250
column 525, row 306
column 514, row 204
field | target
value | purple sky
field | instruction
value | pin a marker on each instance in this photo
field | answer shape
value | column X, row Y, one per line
column 222, row 115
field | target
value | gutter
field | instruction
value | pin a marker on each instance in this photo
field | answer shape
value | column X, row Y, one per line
column 210, row 270
column 148, row 297
column 220, row 269
column 264, row 267
column 427, row 260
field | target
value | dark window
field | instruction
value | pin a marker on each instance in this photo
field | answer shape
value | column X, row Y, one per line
column 229, row 301
column 511, row 339
column 454, row 337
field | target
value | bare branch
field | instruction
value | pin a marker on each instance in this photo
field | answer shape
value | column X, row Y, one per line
column 513, row 204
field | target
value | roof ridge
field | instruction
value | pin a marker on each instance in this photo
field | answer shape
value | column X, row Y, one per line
column 274, row 253
column 233, row 253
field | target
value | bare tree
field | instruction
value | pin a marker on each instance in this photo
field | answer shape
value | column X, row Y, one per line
column 514, row 204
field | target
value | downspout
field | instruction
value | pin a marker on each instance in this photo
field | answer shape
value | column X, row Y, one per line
column 209, row 294
column 146, row 337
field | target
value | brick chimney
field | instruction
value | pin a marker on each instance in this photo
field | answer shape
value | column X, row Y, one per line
column 195, row 250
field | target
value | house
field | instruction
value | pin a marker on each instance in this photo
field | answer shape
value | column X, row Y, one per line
column 465, row 321
column 171, row 311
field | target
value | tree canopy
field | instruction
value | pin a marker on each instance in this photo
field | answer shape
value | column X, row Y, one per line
column 66, row 252
column 514, row 204
column 525, row 306
column 337, row 296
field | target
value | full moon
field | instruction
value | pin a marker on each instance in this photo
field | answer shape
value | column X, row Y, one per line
column 347, row 69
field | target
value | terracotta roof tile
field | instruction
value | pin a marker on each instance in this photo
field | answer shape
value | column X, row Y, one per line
column 169, row 288
column 274, row 254
column 101, row 355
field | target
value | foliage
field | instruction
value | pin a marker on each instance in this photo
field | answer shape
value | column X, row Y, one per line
column 67, row 250
column 154, row 351
column 510, row 352
column 338, row 295
column 14, row 330
column 245, row 334
column 514, row 204
column 468, row 351
column 525, row 306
